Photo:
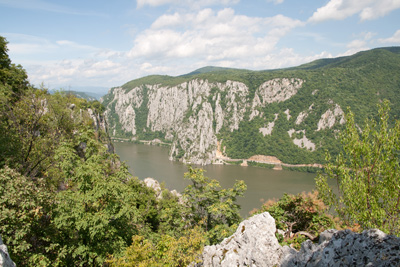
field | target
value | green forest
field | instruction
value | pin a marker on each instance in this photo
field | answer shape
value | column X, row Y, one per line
column 67, row 200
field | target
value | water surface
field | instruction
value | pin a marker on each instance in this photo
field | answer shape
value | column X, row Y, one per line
column 262, row 184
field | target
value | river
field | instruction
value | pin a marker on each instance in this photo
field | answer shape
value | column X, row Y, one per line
column 262, row 184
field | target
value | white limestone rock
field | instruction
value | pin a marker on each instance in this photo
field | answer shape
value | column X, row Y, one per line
column 155, row 185
column 197, row 138
column 253, row 244
column 304, row 114
column 268, row 130
column 346, row 248
column 287, row 112
column 275, row 90
column 302, row 142
column 330, row 117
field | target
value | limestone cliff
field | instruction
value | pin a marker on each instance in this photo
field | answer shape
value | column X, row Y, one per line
column 191, row 114
column 293, row 114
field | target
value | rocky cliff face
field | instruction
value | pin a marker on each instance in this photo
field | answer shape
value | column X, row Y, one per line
column 191, row 115
column 254, row 244
column 293, row 114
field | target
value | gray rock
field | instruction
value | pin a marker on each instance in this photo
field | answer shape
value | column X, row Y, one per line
column 253, row 244
column 5, row 260
column 192, row 113
column 346, row 248
column 155, row 185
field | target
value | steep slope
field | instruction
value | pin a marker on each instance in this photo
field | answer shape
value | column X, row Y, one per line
column 293, row 114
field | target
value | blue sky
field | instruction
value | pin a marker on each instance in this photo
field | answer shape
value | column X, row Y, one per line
column 74, row 44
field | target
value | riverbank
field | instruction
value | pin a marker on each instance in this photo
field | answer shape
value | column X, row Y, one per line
column 262, row 161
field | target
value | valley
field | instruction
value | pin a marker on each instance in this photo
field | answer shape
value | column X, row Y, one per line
column 294, row 114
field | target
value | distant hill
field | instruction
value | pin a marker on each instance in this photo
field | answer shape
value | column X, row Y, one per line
column 294, row 114
column 85, row 95
column 207, row 69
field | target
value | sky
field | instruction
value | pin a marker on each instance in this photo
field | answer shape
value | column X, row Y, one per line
column 101, row 44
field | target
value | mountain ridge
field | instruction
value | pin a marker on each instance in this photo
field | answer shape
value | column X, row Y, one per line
column 293, row 114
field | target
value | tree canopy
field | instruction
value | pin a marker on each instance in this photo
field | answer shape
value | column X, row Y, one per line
column 367, row 174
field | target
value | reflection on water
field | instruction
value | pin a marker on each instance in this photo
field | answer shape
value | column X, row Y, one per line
column 152, row 161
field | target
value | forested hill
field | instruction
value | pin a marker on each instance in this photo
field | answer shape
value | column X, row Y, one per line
column 294, row 114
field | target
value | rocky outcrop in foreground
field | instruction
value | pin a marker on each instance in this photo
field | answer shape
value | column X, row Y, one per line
column 5, row 260
column 254, row 244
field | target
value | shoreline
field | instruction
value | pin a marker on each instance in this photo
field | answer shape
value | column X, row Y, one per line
column 270, row 162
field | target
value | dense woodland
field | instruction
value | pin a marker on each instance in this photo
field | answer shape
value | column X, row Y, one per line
column 67, row 200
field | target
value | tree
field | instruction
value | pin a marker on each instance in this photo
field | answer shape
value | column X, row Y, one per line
column 212, row 207
column 25, row 219
column 102, row 207
column 168, row 251
column 13, row 78
column 367, row 174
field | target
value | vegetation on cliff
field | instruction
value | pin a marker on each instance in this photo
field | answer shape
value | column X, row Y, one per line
column 304, row 123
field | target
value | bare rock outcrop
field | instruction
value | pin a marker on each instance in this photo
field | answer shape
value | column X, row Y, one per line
column 302, row 142
column 304, row 114
column 275, row 90
column 254, row 244
column 155, row 185
column 330, row 117
column 346, row 248
column 5, row 260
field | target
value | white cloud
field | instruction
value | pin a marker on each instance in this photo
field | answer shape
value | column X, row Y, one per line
column 175, row 44
column 45, row 61
column 78, row 72
column 189, row 3
column 395, row 39
column 367, row 9
column 214, row 36
column 357, row 45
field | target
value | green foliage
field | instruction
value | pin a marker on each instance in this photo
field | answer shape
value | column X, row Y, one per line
column 215, row 209
column 170, row 211
column 309, row 169
column 95, row 214
column 205, row 214
column 13, row 78
column 301, row 212
column 25, row 219
column 367, row 174
column 168, row 251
